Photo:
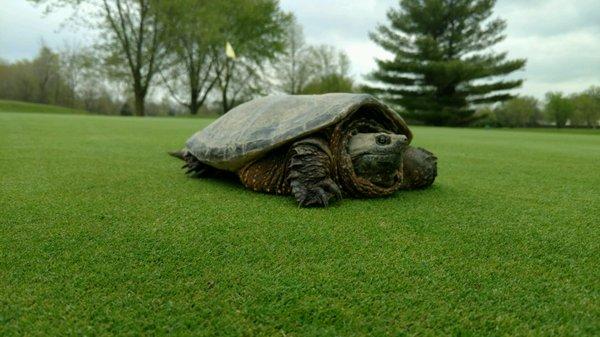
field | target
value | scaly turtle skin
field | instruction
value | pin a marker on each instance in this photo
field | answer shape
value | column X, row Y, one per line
column 317, row 148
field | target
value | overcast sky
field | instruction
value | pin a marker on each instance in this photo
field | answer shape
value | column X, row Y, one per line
column 559, row 38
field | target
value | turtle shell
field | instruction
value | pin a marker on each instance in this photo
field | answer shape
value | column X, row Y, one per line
column 252, row 129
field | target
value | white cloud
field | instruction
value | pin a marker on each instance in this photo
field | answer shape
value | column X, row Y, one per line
column 344, row 24
column 24, row 27
column 549, row 17
column 568, row 56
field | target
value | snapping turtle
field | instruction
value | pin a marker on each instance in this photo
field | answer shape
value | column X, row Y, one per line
column 317, row 148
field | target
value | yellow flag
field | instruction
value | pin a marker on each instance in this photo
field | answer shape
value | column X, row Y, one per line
column 229, row 51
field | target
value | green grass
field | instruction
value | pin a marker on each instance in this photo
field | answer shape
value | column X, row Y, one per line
column 102, row 234
column 16, row 106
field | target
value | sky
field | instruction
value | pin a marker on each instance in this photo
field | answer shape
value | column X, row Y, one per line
column 559, row 38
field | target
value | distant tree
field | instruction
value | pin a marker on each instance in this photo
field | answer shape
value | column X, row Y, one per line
column 294, row 67
column 256, row 30
column 329, row 84
column 133, row 41
column 77, row 65
column 240, row 81
column 97, row 96
column 519, row 112
column 330, row 71
column 305, row 69
column 442, row 64
column 586, row 107
column 69, row 78
column 485, row 116
column 125, row 110
column 193, row 33
column 4, row 75
column 46, row 73
column 17, row 82
column 558, row 108
column 328, row 60
column 39, row 80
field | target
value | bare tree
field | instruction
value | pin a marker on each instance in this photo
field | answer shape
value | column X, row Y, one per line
column 327, row 60
column 330, row 71
column 239, row 80
column 133, row 42
column 294, row 67
column 75, row 64
column 136, row 43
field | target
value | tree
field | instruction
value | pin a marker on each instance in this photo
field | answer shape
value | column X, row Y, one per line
column 328, row 60
column 294, row 67
column 518, row 112
column 193, row 33
column 76, row 67
column 46, row 69
column 70, row 78
column 17, row 82
column 4, row 76
column 586, row 107
column 328, row 84
column 330, row 71
column 133, row 44
column 39, row 80
column 442, row 64
column 255, row 29
column 305, row 69
column 558, row 108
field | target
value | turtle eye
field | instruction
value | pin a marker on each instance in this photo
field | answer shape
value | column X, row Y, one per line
column 383, row 139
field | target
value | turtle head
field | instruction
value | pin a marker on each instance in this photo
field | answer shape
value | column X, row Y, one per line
column 377, row 157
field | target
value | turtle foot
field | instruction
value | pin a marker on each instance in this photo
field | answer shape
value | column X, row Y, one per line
column 193, row 166
column 309, row 175
column 420, row 168
column 316, row 195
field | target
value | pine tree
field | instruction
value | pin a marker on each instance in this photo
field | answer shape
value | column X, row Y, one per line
column 442, row 64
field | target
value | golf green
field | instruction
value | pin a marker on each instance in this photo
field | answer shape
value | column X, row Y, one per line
column 101, row 233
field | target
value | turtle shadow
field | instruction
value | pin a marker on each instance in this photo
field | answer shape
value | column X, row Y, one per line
column 222, row 178
column 231, row 182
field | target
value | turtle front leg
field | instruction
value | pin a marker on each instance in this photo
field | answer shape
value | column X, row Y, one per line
column 310, row 174
column 419, row 168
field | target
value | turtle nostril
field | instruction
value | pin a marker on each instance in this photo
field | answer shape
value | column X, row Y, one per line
column 383, row 139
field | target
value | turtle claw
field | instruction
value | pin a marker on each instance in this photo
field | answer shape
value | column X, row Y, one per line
column 317, row 195
column 193, row 166
column 333, row 188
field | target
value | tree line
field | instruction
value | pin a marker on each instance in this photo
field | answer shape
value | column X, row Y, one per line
column 557, row 109
column 67, row 78
column 211, row 55
column 174, row 55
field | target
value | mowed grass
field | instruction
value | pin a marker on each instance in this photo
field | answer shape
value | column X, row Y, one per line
column 102, row 234
column 17, row 106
